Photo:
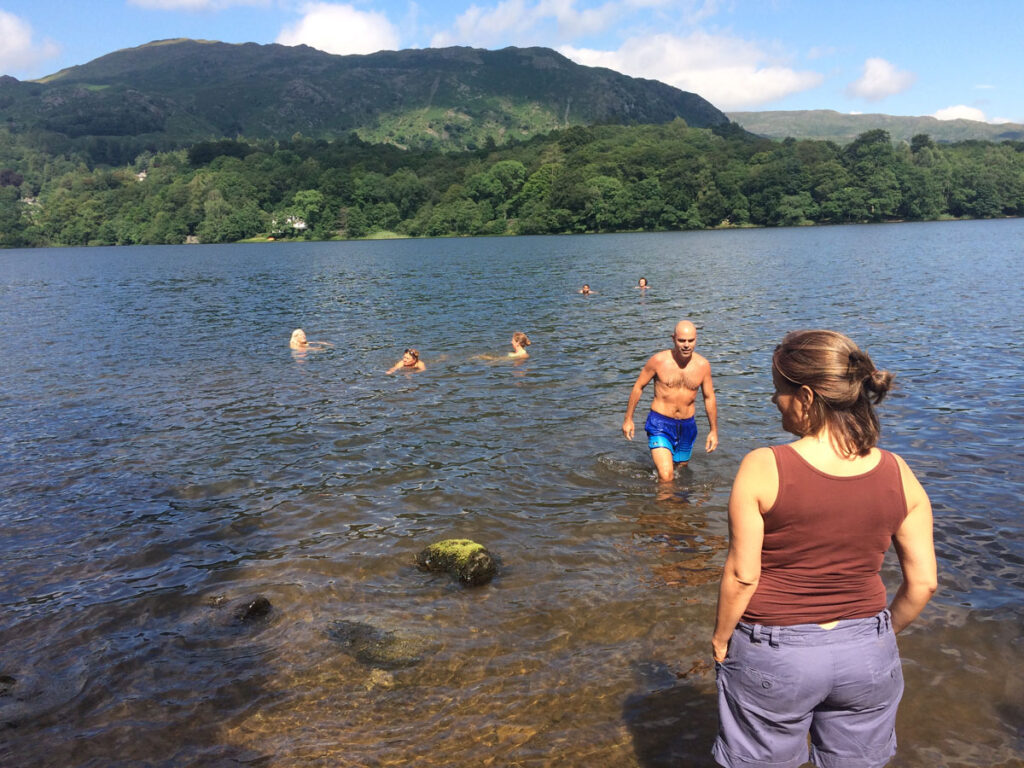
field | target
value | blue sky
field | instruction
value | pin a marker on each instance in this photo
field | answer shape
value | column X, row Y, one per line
column 941, row 58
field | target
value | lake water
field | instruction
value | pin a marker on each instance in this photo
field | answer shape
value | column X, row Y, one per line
column 165, row 458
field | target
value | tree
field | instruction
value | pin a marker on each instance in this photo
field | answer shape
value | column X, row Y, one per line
column 308, row 206
column 12, row 219
column 921, row 141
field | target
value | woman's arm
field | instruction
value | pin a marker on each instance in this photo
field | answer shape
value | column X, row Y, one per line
column 756, row 480
column 916, row 552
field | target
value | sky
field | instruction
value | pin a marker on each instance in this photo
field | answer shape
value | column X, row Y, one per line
column 898, row 57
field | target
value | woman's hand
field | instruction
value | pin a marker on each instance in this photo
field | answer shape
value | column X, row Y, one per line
column 719, row 650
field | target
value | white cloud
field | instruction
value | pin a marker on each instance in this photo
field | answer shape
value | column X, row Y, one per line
column 520, row 23
column 341, row 29
column 960, row 112
column 880, row 79
column 17, row 51
column 729, row 72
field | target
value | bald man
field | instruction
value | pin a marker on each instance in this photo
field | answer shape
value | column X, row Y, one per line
column 671, row 428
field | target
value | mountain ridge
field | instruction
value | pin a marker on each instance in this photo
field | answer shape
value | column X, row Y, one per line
column 827, row 124
column 172, row 92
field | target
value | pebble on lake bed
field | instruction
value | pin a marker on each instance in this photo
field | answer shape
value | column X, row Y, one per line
column 468, row 561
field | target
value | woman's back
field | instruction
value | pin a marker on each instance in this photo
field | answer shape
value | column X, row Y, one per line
column 825, row 537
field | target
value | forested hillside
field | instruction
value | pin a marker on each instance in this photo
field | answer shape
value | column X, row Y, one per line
column 170, row 94
column 582, row 179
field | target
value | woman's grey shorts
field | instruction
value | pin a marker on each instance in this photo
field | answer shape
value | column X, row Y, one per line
column 842, row 685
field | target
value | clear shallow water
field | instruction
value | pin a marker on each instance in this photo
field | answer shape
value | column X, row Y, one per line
column 164, row 457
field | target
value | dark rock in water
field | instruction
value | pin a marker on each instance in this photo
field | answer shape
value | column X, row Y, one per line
column 35, row 693
column 381, row 648
column 253, row 610
column 468, row 561
column 7, row 684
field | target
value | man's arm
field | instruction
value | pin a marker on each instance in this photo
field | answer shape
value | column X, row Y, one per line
column 711, row 407
column 646, row 374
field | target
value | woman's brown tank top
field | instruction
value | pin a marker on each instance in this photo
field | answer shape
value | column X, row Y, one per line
column 824, row 541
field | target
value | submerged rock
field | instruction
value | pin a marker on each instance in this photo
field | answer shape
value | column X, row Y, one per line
column 253, row 610
column 34, row 693
column 468, row 561
column 380, row 648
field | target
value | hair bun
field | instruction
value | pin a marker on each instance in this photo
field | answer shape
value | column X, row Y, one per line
column 878, row 382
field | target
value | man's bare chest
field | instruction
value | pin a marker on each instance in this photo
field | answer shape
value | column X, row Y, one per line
column 683, row 379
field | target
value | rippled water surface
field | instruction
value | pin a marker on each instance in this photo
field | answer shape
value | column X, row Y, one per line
column 165, row 459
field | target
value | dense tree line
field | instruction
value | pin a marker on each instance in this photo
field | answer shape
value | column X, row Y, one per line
column 594, row 179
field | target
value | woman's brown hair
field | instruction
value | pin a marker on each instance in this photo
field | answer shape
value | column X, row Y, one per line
column 521, row 339
column 845, row 383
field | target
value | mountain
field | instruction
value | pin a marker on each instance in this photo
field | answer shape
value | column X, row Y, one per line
column 842, row 128
column 173, row 92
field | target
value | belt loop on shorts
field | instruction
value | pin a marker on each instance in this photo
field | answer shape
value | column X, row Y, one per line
column 884, row 621
column 755, row 634
column 773, row 638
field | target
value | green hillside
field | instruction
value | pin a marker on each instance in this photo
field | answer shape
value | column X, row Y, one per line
column 171, row 93
column 834, row 126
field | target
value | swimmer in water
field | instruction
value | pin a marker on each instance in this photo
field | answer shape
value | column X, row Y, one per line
column 410, row 362
column 519, row 344
column 298, row 341
column 585, row 290
column 642, row 284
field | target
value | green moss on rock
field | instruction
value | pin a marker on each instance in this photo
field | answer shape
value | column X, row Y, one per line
column 468, row 561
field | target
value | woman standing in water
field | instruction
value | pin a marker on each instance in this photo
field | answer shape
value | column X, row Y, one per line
column 803, row 640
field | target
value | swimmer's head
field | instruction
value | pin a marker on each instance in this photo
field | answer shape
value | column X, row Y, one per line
column 410, row 357
column 298, row 339
column 586, row 288
column 642, row 282
column 519, row 338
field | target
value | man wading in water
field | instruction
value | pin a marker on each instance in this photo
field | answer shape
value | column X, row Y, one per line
column 671, row 428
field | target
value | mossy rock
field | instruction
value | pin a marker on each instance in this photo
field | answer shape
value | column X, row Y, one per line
column 466, row 560
column 379, row 648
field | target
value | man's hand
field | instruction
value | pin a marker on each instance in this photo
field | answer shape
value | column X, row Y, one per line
column 628, row 429
column 712, row 441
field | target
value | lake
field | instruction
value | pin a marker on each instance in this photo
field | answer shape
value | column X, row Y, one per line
column 165, row 459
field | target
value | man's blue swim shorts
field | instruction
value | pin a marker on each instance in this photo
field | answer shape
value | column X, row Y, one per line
column 678, row 435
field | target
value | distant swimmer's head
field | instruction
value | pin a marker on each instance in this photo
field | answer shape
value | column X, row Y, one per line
column 519, row 339
column 642, row 282
column 585, row 288
column 298, row 339
column 410, row 357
